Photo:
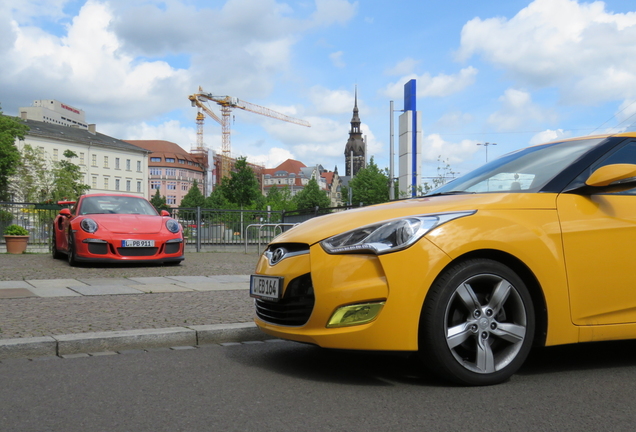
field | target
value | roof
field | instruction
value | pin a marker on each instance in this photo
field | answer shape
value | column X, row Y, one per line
column 290, row 165
column 77, row 135
column 168, row 149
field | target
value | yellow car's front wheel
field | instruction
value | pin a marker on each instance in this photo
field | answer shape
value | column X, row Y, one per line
column 477, row 323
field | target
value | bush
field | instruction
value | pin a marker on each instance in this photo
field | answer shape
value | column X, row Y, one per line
column 16, row 230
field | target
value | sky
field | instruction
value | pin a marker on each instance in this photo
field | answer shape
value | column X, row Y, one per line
column 510, row 74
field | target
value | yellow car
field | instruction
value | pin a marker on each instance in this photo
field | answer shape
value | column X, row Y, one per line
column 534, row 248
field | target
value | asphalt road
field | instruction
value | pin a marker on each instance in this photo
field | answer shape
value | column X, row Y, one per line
column 284, row 386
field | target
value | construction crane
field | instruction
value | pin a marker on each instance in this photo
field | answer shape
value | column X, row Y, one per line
column 228, row 103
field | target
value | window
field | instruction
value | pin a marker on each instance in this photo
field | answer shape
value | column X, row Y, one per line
column 55, row 154
column 81, row 159
column 94, row 183
column 182, row 161
column 155, row 171
column 184, row 187
column 117, row 184
column 94, row 160
column 155, row 159
column 106, row 183
column 172, row 186
column 155, row 184
column 170, row 160
column 127, row 164
column 138, row 166
column 171, row 199
column 171, row 172
column 138, row 186
column 183, row 173
column 127, row 185
column 116, row 163
column 106, row 163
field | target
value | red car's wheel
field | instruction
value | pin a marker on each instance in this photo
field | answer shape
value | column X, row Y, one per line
column 71, row 252
column 56, row 253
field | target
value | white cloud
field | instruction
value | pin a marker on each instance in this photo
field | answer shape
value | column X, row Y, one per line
column 336, row 59
column 272, row 159
column 434, row 147
column 333, row 11
column 434, row 86
column 581, row 48
column 329, row 102
column 517, row 110
column 549, row 135
column 405, row 67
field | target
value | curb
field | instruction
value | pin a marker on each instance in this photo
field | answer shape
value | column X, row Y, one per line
column 85, row 343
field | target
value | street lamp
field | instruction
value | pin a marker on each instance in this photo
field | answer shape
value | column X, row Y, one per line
column 486, row 144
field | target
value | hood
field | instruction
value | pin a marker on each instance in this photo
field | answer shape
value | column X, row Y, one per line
column 129, row 224
column 320, row 228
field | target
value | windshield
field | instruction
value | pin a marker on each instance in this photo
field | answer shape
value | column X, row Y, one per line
column 116, row 205
column 526, row 170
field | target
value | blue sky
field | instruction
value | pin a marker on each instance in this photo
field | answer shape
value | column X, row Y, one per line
column 514, row 73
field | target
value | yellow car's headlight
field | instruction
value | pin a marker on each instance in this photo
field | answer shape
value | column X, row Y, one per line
column 388, row 236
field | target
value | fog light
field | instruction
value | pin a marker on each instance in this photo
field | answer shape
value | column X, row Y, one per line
column 355, row 314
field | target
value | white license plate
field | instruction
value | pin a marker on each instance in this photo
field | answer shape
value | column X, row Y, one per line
column 266, row 287
column 137, row 243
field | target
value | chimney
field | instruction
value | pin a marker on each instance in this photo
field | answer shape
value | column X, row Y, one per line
column 92, row 128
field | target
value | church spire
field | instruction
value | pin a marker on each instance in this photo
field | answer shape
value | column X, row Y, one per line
column 355, row 145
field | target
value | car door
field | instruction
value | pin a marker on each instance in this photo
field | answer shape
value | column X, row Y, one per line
column 599, row 237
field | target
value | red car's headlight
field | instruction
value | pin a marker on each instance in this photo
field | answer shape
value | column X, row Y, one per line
column 89, row 225
column 172, row 225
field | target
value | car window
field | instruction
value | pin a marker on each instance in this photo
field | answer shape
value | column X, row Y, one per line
column 526, row 170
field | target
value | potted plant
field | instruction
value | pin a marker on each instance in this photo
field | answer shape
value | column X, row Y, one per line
column 16, row 238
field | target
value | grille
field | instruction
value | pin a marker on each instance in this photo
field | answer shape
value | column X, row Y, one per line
column 98, row 248
column 145, row 251
column 172, row 248
column 294, row 309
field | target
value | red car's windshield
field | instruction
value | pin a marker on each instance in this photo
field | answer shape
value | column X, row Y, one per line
column 116, row 205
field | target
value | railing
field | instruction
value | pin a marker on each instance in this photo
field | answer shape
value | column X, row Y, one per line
column 204, row 229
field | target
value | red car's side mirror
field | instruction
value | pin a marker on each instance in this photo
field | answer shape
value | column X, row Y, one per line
column 65, row 212
column 165, row 213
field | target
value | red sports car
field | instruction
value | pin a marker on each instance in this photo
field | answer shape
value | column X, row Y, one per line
column 107, row 228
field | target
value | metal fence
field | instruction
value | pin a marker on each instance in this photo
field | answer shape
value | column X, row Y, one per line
column 204, row 229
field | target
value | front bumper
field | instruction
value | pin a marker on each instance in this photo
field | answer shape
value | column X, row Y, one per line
column 399, row 279
column 91, row 249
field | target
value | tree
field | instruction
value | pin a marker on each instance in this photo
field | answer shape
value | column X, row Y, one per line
column 370, row 186
column 32, row 180
column 10, row 129
column 311, row 196
column 218, row 200
column 280, row 199
column 159, row 202
column 194, row 197
column 241, row 188
column 68, row 179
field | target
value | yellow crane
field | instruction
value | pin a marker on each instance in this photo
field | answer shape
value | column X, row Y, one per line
column 228, row 103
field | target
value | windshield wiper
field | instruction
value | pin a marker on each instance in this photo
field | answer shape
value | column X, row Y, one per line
column 453, row 192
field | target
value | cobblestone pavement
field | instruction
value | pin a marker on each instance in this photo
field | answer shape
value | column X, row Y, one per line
column 43, row 266
column 28, row 317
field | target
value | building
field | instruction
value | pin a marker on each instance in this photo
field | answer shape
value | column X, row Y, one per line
column 172, row 170
column 108, row 164
column 355, row 149
column 55, row 112
column 295, row 175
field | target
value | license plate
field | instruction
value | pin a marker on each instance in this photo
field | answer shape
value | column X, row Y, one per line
column 137, row 243
column 266, row 287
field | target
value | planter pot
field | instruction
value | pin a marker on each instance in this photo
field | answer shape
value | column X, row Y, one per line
column 16, row 244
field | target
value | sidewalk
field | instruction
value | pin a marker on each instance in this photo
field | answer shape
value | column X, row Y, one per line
column 71, row 317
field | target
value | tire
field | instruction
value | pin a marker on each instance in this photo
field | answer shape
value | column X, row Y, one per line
column 477, row 323
column 54, row 252
column 72, row 261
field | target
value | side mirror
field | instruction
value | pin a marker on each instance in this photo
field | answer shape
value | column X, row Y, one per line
column 65, row 212
column 165, row 213
column 613, row 178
